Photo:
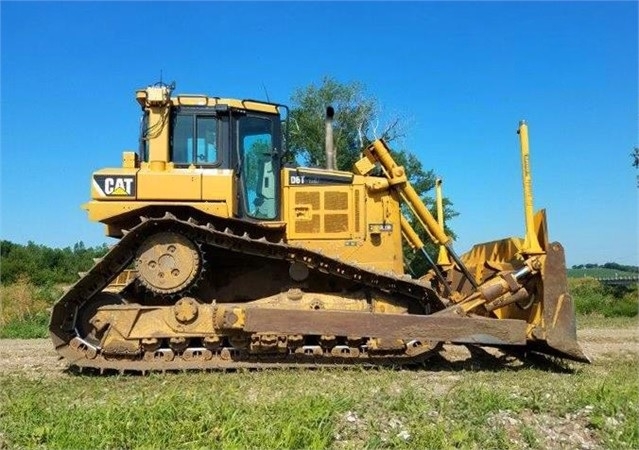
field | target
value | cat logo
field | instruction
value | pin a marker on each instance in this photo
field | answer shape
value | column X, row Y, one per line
column 114, row 186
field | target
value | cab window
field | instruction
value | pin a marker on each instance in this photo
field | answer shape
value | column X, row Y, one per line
column 144, row 140
column 194, row 139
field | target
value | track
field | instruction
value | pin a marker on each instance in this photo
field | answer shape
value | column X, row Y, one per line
column 35, row 358
column 79, row 352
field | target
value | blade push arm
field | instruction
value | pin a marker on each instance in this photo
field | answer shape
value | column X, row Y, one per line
column 396, row 175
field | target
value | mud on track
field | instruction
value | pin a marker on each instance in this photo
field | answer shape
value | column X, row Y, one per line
column 36, row 357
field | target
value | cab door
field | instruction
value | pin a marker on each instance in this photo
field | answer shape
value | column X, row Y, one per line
column 259, row 152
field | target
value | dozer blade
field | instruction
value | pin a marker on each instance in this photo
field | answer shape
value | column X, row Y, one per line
column 558, row 309
column 550, row 314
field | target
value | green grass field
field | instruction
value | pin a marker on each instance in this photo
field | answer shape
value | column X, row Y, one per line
column 475, row 405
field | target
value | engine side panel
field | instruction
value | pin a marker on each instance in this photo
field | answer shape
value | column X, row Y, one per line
column 334, row 212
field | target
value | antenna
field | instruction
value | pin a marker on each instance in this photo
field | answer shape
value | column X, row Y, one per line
column 160, row 76
column 265, row 92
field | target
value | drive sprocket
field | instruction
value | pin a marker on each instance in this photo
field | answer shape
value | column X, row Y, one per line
column 168, row 263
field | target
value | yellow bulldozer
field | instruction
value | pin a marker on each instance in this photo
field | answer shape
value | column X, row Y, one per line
column 228, row 256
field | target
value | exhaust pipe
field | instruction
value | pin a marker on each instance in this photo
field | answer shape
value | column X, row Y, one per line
column 329, row 145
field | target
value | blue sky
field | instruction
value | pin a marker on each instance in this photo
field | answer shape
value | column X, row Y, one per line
column 460, row 75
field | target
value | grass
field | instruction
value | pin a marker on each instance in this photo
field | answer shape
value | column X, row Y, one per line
column 472, row 405
column 596, row 320
column 509, row 408
column 185, row 411
column 591, row 297
column 33, row 326
column 24, row 309
column 599, row 272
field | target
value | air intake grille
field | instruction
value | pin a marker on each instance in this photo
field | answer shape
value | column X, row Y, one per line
column 308, row 226
column 336, row 201
column 308, row 198
column 325, row 212
column 335, row 223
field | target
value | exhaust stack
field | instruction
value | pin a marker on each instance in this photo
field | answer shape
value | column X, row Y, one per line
column 329, row 145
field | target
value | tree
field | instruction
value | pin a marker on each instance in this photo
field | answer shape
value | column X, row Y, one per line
column 356, row 123
column 43, row 265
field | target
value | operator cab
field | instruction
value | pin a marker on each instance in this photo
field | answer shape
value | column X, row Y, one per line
column 215, row 135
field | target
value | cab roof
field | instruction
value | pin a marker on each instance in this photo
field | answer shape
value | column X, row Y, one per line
column 206, row 101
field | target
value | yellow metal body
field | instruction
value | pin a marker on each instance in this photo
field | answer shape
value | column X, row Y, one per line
column 209, row 191
column 378, row 152
column 357, row 220
column 347, row 221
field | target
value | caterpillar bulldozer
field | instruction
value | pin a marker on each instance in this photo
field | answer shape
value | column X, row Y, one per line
column 229, row 257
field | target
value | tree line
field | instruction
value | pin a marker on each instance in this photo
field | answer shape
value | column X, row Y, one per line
column 45, row 266
column 608, row 265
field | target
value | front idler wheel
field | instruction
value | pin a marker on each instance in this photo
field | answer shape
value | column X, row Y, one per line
column 87, row 325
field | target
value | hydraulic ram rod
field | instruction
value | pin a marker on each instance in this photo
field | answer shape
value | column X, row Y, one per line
column 378, row 151
column 442, row 259
column 414, row 240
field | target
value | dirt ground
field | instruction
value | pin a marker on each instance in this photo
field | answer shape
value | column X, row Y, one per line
column 36, row 357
